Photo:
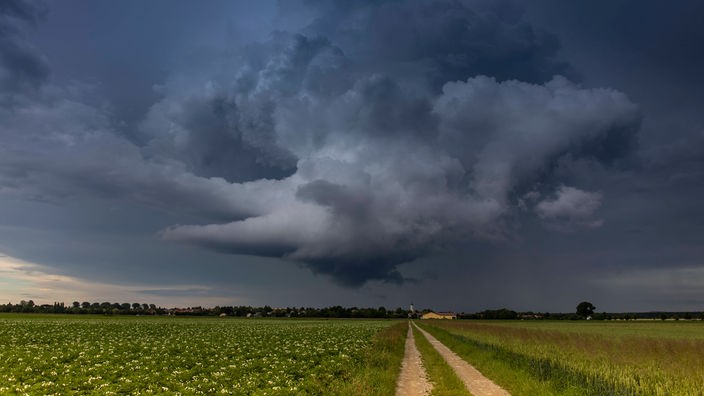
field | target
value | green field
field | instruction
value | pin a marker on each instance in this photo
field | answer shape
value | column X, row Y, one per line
column 71, row 354
column 580, row 357
column 44, row 354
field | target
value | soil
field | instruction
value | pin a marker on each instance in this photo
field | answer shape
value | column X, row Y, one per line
column 413, row 380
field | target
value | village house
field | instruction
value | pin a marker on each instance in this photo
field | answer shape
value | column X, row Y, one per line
column 439, row 315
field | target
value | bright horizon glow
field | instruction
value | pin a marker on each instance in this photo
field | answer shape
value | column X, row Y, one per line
column 23, row 280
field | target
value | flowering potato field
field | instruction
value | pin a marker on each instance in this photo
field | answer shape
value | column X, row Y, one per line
column 46, row 355
column 615, row 358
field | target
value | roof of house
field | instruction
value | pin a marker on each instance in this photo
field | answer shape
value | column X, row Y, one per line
column 441, row 313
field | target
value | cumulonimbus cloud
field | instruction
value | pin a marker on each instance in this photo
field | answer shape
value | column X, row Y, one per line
column 387, row 172
column 306, row 148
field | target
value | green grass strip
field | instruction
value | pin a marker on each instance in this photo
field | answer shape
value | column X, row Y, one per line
column 507, row 369
column 377, row 371
column 445, row 381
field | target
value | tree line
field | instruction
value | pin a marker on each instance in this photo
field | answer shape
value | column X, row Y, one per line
column 108, row 308
column 28, row 306
column 507, row 314
column 584, row 311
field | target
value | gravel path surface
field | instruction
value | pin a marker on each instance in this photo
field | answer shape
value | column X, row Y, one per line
column 476, row 383
column 413, row 380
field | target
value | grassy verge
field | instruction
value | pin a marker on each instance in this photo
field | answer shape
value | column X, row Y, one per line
column 590, row 358
column 445, row 381
column 377, row 371
column 514, row 375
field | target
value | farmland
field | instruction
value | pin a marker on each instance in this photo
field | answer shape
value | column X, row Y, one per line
column 621, row 358
column 88, row 354
column 142, row 355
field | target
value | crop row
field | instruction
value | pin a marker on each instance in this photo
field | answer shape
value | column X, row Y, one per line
column 601, row 362
column 178, row 356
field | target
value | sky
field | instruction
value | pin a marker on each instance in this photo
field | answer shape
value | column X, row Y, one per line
column 458, row 155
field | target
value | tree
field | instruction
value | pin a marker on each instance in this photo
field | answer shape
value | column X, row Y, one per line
column 585, row 309
column 502, row 313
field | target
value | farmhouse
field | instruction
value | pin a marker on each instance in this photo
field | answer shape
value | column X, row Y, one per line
column 439, row 315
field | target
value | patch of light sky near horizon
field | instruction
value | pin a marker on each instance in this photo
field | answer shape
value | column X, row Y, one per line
column 23, row 280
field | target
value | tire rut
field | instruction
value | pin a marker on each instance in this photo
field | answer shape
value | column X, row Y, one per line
column 476, row 383
column 413, row 380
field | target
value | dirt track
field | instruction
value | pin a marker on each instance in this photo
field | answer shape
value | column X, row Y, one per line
column 476, row 383
column 412, row 381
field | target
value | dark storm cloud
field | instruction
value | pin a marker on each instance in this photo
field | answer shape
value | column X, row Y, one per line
column 21, row 67
column 223, row 124
column 381, row 133
column 444, row 40
column 388, row 172
column 55, row 147
column 651, row 203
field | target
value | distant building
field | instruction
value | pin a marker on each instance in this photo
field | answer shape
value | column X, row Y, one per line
column 186, row 311
column 439, row 315
column 531, row 316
